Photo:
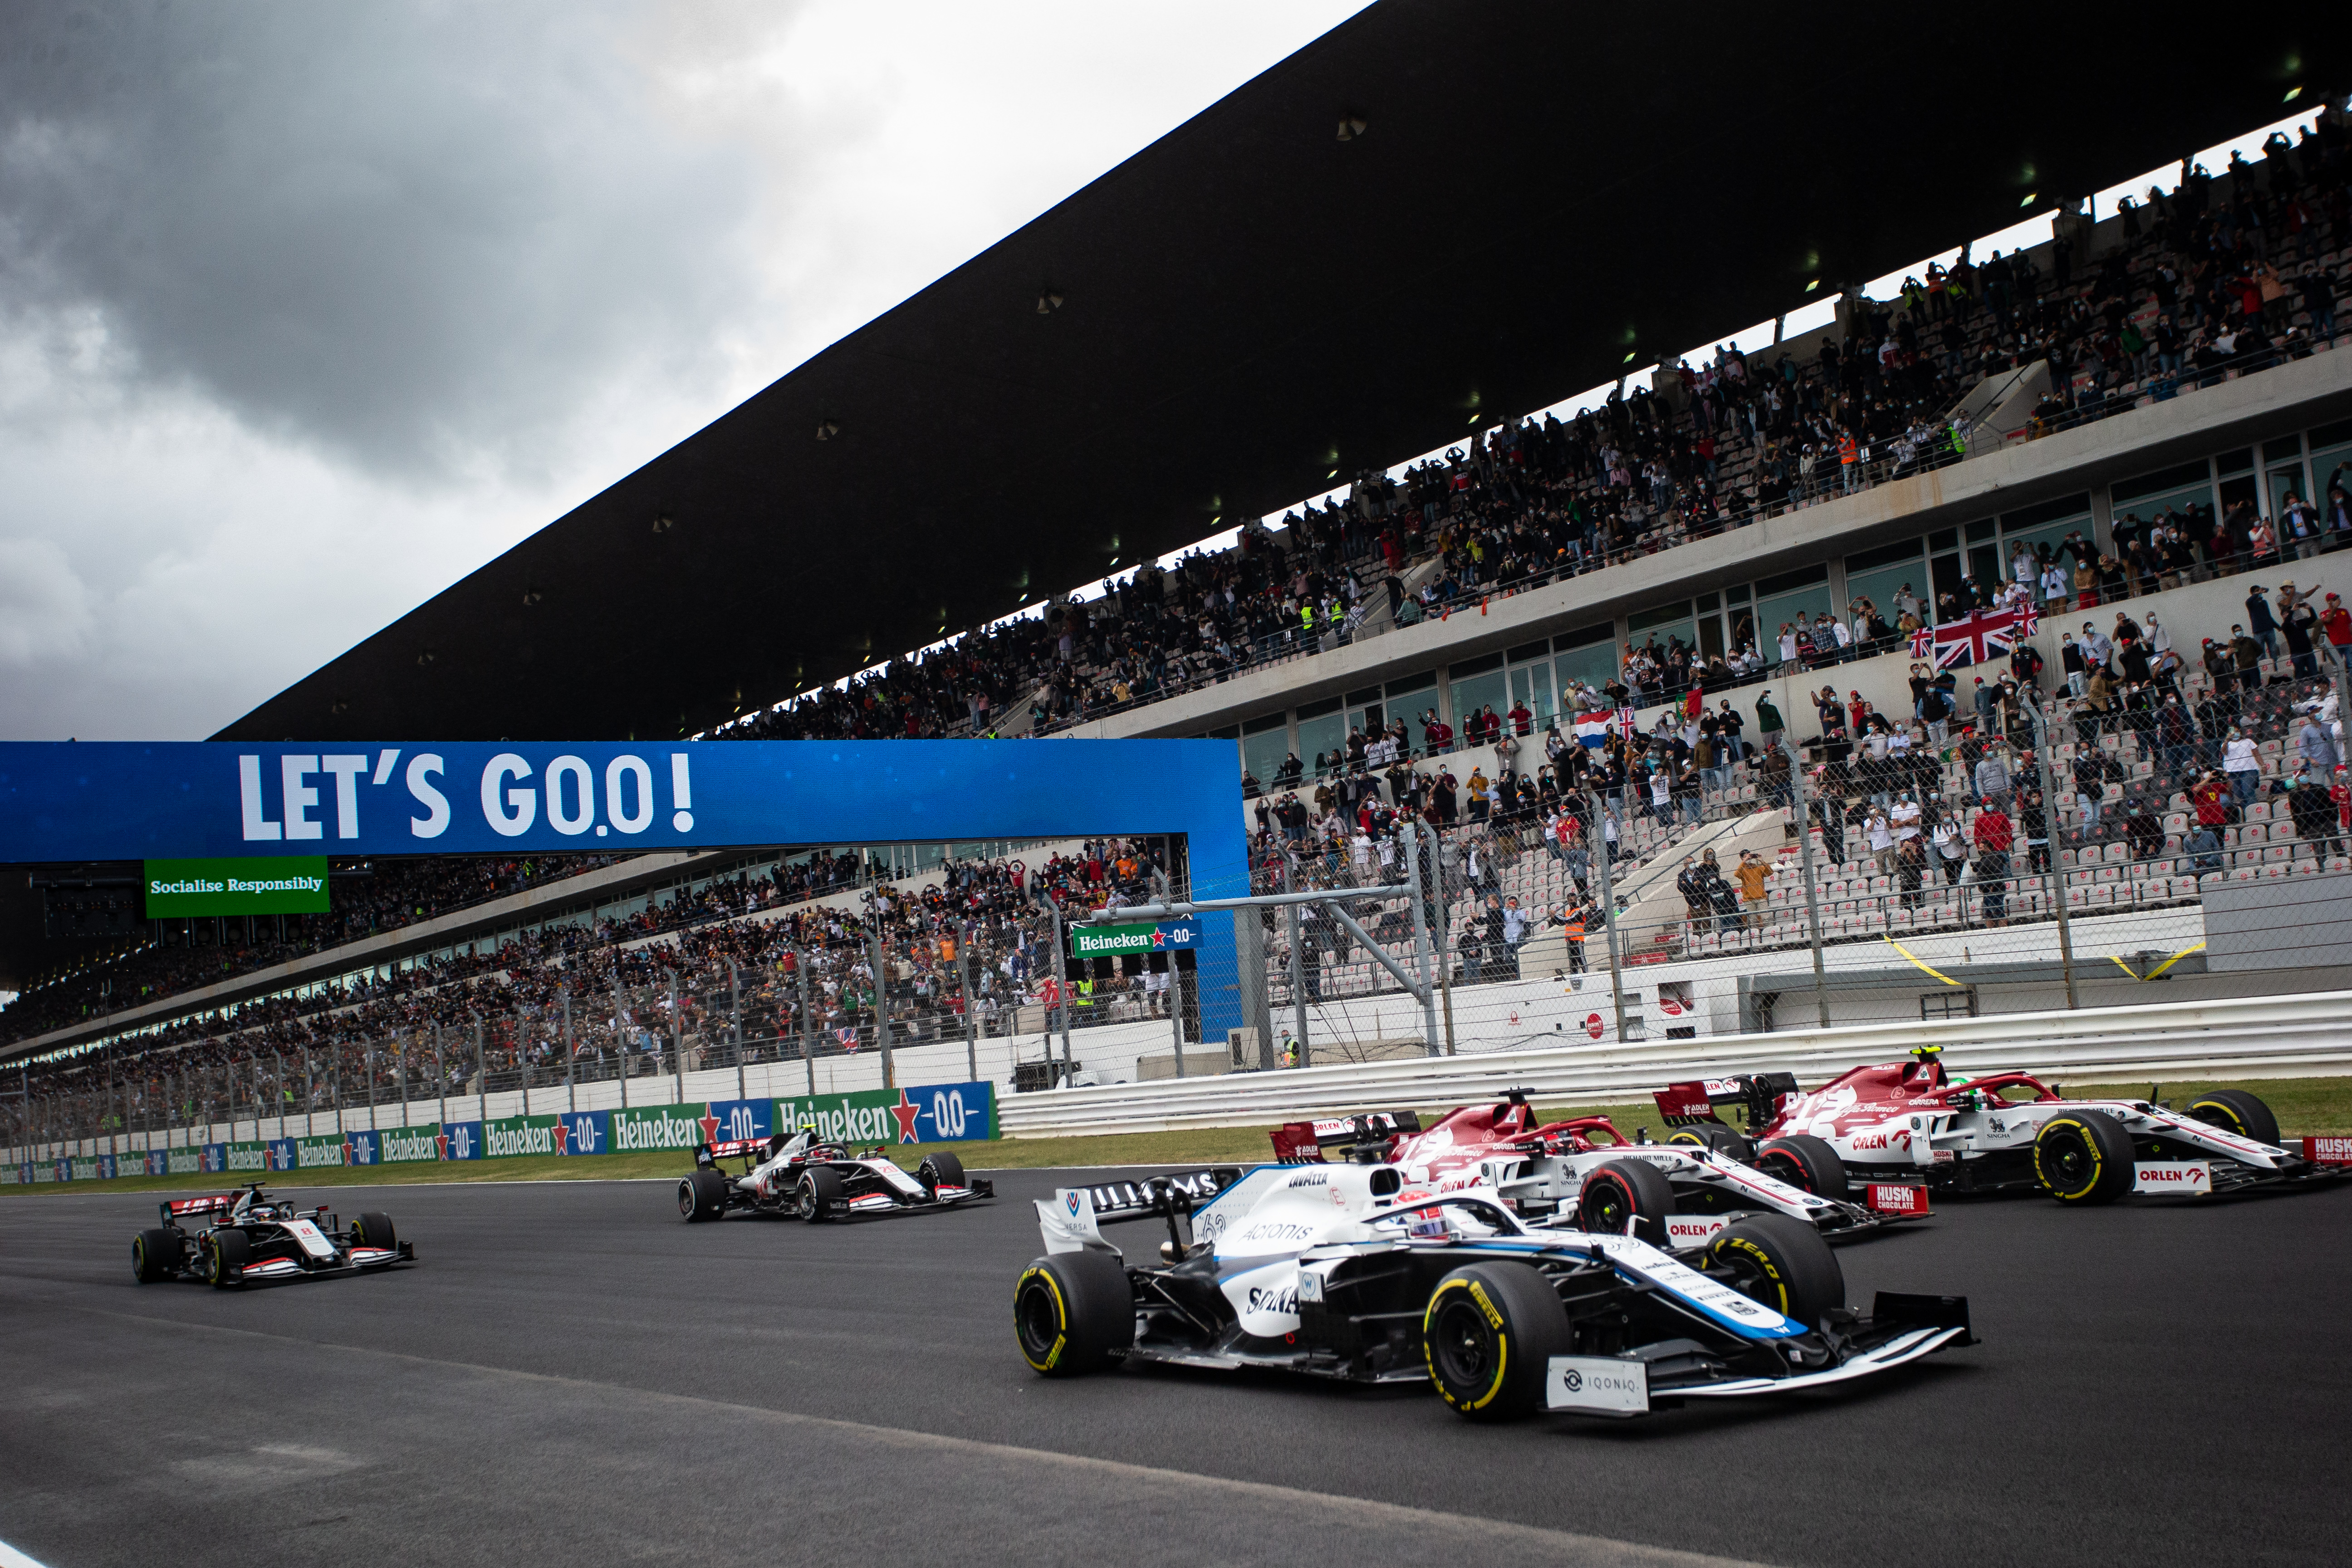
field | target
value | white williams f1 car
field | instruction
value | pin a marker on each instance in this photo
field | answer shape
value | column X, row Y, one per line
column 796, row 1176
column 253, row 1239
column 2010, row 1131
column 1586, row 1172
column 1329, row 1270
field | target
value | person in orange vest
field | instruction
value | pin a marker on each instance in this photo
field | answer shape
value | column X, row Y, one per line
column 1849, row 461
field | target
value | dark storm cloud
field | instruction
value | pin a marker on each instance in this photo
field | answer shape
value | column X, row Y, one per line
column 414, row 235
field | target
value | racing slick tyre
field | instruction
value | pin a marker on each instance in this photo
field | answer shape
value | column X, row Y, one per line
column 1624, row 1193
column 374, row 1229
column 1806, row 1162
column 820, row 1194
column 702, row 1195
column 1074, row 1313
column 226, row 1252
column 1722, row 1140
column 2083, row 1157
column 1488, row 1335
column 940, row 1170
column 2235, row 1110
column 1783, row 1263
column 155, row 1255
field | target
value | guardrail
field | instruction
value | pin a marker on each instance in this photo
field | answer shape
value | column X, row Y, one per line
column 2306, row 1035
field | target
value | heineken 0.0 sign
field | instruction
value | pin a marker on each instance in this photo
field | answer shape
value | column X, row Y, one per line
column 1113, row 942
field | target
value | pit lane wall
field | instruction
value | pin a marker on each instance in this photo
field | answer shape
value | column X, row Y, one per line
column 926, row 1113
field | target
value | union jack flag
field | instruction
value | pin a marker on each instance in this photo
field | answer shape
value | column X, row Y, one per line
column 1625, row 723
column 1974, row 639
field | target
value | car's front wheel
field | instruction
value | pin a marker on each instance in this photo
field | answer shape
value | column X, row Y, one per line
column 1782, row 1262
column 2083, row 1157
column 702, row 1196
column 2235, row 1110
column 821, row 1194
column 1487, row 1335
column 1715, row 1136
column 226, row 1252
column 373, row 1229
column 155, row 1255
column 1808, row 1164
column 1625, row 1197
column 1074, row 1313
column 940, row 1170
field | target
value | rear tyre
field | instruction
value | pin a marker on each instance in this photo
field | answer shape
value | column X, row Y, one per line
column 155, row 1255
column 821, row 1194
column 1074, row 1313
column 2235, row 1110
column 374, row 1229
column 1806, row 1162
column 1488, row 1335
column 1622, row 1192
column 226, row 1252
column 940, row 1170
column 1783, row 1263
column 1722, row 1140
column 2083, row 1157
column 701, row 1195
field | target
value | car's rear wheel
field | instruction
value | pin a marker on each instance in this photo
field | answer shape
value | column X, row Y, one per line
column 2235, row 1110
column 1488, row 1334
column 1625, row 1197
column 2083, row 1157
column 1074, row 1313
column 940, row 1170
column 1720, row 1138
column 374, row 1229
column 226, row 1252
column 1782, row 1262
column 155, row 1255
column 702, row 1195
column 821, row 1194
column 1806, row 1162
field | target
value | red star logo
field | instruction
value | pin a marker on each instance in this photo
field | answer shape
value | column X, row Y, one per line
column 563, row 1130
column 1160, row 939
column 904, row 1113
column 351, row 1154
column 441, row 1145
column 710, row 1125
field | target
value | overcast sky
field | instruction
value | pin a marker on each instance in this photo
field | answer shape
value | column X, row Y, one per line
column 306, row 311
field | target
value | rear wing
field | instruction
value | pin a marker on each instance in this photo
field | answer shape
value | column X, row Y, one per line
column 1071, row 1220
column 727, row 1149
column 1762, row 1095
column 1303, row 1142
column 191, row 1208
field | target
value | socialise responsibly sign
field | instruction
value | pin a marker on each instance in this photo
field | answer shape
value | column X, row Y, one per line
column 934, row 1113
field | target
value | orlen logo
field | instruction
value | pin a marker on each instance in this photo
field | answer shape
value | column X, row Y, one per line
column 1899, row 1139
column 2177, row 1177
column 1690, row 1230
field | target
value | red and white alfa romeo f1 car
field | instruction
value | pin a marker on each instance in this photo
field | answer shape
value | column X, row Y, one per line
column 1676, row 1194
column 2009, row 1131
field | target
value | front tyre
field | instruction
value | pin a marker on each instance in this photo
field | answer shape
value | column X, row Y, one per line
column 940, row 1170
column 1720, row 1138
column 376, row 1229
column 155, row 1255
column 1808, row 1164
column 226, row 1252
column 1782, row 1263
column 701, row 1195
column 1625, row 1197
column 1488, row 1335
column 821, row 1194
column 2083, row 1157
column 1074, row 1313
column 2235, row 1110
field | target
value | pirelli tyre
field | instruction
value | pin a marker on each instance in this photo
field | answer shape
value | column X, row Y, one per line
column 2083, row 1157
column 155, row 1255
column 1625, row 1197
column 226, row 1252
column 940, row 1170
column 820, row 1193
column 701, row 1194
column 373, row 1228
column 1720, row 1138
column 1782, row 1262
column 1488, row 1334
column 1806, row 1162
column 2235, row 1110
column 1074, row 1313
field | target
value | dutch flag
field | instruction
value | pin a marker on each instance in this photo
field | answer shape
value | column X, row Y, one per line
column 1592, row 729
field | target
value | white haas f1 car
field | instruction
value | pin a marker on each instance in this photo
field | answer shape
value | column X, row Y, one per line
column 796, row 1176
column 2010, row 1131
column 1331, row 1271
column 252, row 1238
column 1583, row 1169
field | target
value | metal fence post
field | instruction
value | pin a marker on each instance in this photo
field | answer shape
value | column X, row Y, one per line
column 571, row 1084
column 2055, row 875
column 1438, row 940
column 440, row 1075
column 621, row 1047
column 1297, row 984
column 309, row 1094
column 1421, row 957
column 1176, row 1010
column 735, row 1024
column 677, row 1043
column 481, row 1076
column 1805, row 857
column 1597, row 856
column 808, row 1020
column 971, row 1017
column 1061, row 977
column 878, row 959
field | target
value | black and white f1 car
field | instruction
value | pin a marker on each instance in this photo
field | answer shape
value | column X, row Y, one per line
column 1329, row 1270
column 1587, row 1173
column 252, row 1238
column 2010, row 1131
column 796, row 1176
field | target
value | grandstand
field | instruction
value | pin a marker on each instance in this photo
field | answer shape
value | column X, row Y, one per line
column 2139, row 420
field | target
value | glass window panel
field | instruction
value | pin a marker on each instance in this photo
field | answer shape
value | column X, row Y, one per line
column 1325, row 736
column 1262, row 753
column 1881, row 587
column 2332, row 465
column 1594, row 664
column 1775, row 610
column 2284, row 481
column 1531, row 685
column 1469, row 696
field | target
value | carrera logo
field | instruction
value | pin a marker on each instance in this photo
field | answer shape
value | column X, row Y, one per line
column 1897, row 1197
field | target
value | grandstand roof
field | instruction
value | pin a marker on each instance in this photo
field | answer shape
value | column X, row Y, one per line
column 1542, row 196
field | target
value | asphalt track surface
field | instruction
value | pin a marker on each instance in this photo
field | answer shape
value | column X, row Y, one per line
column 571, row 1375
